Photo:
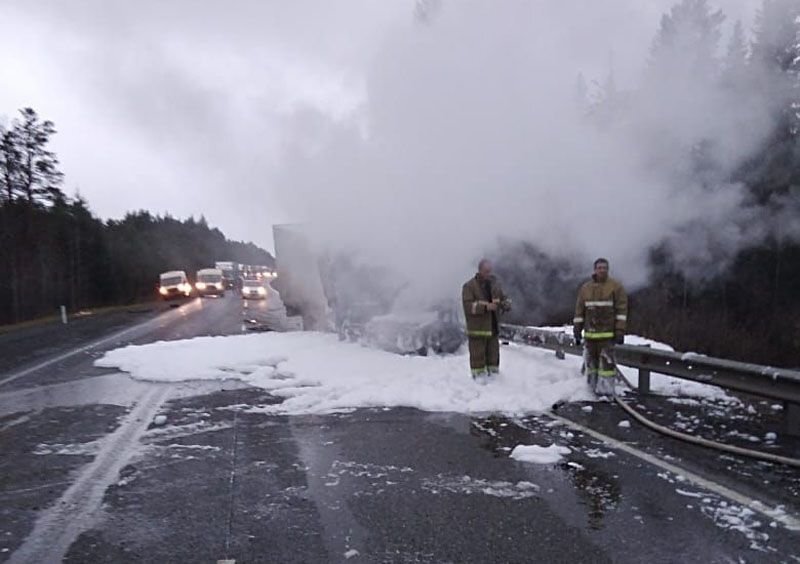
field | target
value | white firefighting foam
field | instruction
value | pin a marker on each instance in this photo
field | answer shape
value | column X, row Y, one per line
column 316, row 373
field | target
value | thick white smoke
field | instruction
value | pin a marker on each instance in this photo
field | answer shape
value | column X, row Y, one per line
column 470, row 132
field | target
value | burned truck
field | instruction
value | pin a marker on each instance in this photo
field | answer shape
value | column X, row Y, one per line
column 298, row 279
column 358, row 300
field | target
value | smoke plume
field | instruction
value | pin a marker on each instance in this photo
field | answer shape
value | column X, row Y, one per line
column 472, row 132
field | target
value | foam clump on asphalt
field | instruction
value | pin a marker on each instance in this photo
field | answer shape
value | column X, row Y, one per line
column 625, row 424
column 317, row 373
column 539, row 454
column 159, row 420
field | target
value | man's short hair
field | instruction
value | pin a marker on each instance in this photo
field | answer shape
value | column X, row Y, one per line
column 600, row 261
column 482, row 262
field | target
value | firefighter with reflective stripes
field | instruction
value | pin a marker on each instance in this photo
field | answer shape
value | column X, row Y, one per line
column 601, row 315
column 484, row 301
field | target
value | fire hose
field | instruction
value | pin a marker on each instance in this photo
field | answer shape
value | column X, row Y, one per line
column 700, row 441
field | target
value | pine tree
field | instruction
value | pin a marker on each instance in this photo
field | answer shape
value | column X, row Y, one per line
column 581, row 94
column 794, row 73
column 610, row 83
column 681, row 82
column 776, row 33
column 605, row 103
column 10, row 164
column 734, row 66
column 774, row 58
column 687, row 41
column 39, row 175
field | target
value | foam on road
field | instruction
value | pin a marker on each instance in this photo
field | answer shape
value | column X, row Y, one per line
column 317, row 373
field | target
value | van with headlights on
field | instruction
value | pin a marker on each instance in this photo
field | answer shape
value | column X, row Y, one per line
column 174, row 285
column 254, row 289
column 210, row 282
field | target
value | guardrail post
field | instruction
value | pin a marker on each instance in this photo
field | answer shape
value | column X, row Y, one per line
column 644, row 379
column 64, row 314
column 791, row 418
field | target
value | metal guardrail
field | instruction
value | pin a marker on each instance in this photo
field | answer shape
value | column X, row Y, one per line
column 764, row 381
column 775, row 383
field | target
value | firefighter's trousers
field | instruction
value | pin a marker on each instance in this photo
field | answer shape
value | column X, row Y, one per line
column 484, row 355
column 598, row 362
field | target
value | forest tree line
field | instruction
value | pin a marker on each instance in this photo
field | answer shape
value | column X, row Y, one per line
column 750, row 310
column 55, row 251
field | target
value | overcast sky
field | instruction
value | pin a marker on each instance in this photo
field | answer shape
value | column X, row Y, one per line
column 182, row 106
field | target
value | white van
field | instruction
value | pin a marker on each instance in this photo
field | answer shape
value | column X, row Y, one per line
column 210, row 281
column 254, row 288
column 174, row 284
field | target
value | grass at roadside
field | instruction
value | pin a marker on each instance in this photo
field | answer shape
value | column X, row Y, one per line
column 137, row 307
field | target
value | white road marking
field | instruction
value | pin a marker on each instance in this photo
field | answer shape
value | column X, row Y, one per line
column 788, row 520
column 79, row 507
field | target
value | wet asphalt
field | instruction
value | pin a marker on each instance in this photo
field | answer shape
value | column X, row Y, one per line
column 86, row 476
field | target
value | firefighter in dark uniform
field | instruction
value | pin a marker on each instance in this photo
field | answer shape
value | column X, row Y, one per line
column 484, row 301
column 601, row 316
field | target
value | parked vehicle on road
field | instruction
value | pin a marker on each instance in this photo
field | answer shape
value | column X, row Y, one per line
column 174, row 284
column 210, row 282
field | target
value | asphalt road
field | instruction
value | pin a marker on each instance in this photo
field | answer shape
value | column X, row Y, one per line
column 86, row 476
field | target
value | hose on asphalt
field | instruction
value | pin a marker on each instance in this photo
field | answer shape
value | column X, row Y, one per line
column 700, row 441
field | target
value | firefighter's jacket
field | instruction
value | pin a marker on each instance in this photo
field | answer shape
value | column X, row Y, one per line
column 479, row 319
column 601, row 309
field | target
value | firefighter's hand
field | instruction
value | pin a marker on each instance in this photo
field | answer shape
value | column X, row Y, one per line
column 505, row 305
column 577, row 334
column 619, row 338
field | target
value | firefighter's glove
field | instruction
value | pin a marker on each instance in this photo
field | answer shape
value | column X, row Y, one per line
column 505, row 305
column 577, row 334
column 619, row 338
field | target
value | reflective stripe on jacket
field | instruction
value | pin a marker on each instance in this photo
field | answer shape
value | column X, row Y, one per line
column 479, row 319
column 601, row 309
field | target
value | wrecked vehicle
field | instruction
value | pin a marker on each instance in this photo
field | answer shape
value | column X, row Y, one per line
column 350, row 320
column 356, row 298
column 439, row 331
